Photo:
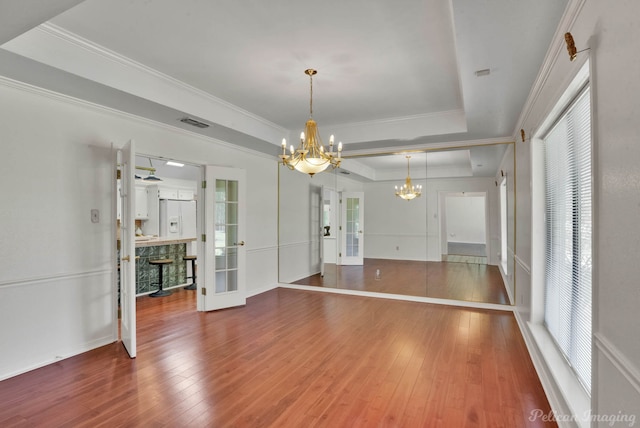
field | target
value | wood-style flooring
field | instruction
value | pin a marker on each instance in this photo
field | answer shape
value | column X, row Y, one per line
column 443, row 280
column 292, row 358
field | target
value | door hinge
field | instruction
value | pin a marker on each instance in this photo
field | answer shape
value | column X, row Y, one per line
column 340, row 200
column 339, row 254
column 204, row 291
column 204, row 184
column 339, row 227
column 204, row 238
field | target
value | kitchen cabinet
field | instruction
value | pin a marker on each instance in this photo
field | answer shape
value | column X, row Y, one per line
column 185, row 195
column 175, row 193
column 167, row 193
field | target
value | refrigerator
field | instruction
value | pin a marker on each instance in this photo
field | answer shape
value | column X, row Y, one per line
column 177, row 218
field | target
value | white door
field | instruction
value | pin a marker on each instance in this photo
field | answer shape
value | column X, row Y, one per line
column 128, row 249
column 224, row 246
column 352, row 227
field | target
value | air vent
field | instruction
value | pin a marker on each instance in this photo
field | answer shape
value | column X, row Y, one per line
column 342, row 171
column 194, row 122
column 485, row 72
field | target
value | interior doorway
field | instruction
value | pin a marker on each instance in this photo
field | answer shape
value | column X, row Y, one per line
column 165, row 226
column 464, row 227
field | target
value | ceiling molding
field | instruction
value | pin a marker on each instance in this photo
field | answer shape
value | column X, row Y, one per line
column 56, row 96
column 553, row 53
column 427, row 147
column 56, row 47
column 402, row 128
column 27, row 14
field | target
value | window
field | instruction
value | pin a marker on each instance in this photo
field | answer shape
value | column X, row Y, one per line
column 503, row 226
column 568, row 224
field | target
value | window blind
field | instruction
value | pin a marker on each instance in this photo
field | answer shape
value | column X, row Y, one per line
column 568, row 264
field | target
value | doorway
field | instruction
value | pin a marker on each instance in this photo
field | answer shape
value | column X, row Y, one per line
column 464, row 227
column 156, row 221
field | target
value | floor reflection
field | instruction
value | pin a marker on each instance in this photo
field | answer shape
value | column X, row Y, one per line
column 472, row 282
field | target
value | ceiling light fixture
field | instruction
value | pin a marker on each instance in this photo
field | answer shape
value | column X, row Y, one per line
column 172, row 163
column 311, row 157
column 408, row 191
column 152, row 172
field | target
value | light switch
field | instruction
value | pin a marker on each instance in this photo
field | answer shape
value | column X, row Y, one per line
column 95, row 216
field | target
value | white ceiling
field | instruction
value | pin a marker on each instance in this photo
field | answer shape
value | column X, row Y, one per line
column 391, row 75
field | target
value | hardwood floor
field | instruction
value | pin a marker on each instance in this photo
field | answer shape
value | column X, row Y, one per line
column 444, row 280
column 292, row 358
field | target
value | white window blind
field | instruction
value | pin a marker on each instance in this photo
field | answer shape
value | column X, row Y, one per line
column 568, row 235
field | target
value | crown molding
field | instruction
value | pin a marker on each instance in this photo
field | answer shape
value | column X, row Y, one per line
column 404, row 128
column 553, row 53
column 56, row 47
column 56, row 96
column 427, row 147
column 82, row 43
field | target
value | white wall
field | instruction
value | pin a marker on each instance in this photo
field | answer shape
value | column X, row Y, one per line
column 401, row 230
column 466, row 219
column 611, row 31
column 300, row 225
column 56, row 282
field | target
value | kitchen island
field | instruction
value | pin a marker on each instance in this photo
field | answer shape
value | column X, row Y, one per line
column 153, row 248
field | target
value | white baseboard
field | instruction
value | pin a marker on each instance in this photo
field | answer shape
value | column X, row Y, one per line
column 85, row 348
column 559, row 407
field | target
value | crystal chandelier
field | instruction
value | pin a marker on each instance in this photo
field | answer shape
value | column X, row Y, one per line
column 311, row 157
column 408, row 191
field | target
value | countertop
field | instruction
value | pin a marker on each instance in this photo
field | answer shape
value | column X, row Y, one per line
column 151, row 241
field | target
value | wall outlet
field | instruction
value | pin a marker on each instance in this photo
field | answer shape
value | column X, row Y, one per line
column 95, row 216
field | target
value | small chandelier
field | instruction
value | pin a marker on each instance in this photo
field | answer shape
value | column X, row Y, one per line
column 311, row 157
column 408, row 191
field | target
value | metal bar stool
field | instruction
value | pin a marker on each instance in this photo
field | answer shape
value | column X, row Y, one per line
column 160, row 263
column 193, row 284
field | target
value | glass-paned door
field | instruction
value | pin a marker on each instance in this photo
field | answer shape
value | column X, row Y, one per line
column 224, row 244
column 352, row 223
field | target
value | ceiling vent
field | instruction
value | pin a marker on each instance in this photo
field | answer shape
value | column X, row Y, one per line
column 485, row 72
column 194, row 122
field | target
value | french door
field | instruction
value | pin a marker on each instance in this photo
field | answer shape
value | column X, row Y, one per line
column 352, row 225
column 224, row 245
column 127, row 248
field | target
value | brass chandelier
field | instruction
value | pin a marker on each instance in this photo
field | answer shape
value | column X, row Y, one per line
column 311, row 157
column 408, row 191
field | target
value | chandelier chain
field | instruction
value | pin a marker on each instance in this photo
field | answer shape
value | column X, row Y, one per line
column 310, row 95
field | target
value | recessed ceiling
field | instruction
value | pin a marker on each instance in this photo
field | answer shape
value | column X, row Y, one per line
column 391, row 75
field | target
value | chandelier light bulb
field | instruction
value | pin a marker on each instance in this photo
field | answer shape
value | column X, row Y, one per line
column 311, row 156
column 408, row 191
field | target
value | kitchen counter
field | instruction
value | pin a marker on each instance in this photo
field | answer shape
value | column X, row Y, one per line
column 151, row 241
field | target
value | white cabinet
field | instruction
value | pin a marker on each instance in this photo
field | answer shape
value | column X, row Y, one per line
column 185, row 195
column 142, row 205
column 176, row 194
column 167, row 193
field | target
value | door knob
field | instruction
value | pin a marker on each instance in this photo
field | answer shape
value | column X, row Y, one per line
column 126, row 259
column 241, row 243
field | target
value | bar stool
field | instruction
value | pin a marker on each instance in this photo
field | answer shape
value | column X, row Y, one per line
column 193, row 284
column 160, row 263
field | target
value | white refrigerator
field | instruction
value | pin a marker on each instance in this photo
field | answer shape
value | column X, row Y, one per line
column 177, row 218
